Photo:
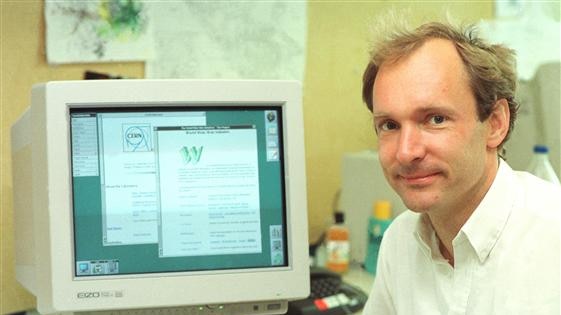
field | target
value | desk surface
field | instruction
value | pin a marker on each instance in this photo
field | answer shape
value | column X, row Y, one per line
column 359, row 277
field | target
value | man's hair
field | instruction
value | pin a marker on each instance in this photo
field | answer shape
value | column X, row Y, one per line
column 491, row 69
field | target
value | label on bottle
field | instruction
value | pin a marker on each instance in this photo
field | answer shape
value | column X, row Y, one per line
column 377, row 230
column 338, row 252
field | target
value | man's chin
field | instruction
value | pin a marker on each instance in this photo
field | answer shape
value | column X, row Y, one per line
column 418, row 199
column 417, row 204
column 418, row 209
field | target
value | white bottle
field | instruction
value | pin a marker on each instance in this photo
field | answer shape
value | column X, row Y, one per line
column 540, row 165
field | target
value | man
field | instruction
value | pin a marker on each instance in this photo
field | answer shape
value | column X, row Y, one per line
column 480, row 238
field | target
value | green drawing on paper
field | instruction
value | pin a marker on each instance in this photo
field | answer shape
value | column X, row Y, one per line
column 97, row 30
column 122, row 19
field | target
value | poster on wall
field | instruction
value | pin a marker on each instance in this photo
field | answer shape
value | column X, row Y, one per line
column 97, row 31
column 231, row 40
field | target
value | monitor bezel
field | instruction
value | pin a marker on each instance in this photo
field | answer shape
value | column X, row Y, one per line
column 55, row 286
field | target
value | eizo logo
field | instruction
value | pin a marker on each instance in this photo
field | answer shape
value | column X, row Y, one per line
column 88, row 295
column 191, row 155
column 99, row 294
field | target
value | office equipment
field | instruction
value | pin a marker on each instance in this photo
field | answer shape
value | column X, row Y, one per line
column 166, row 194
column 363, row 183
column 329, row 295
column 539, row 118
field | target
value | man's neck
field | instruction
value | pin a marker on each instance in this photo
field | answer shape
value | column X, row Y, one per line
column 447, row 227
column 448, row 222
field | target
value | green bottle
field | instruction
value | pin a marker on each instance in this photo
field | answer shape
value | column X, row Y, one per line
column 378, row 223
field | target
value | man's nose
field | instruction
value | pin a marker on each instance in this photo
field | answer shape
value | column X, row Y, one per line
column 411, row 146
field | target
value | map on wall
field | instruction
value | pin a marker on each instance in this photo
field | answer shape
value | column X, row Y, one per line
column 97, row 31
column 218, row 39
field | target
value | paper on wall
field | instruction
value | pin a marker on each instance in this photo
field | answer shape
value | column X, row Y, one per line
column 234, row 40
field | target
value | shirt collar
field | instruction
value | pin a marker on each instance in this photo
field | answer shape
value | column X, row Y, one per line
column 487, row 222
column 484, row 226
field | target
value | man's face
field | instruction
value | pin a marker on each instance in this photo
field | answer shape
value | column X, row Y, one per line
column 432, row 146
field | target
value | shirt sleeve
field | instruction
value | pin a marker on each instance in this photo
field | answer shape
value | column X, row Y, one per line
column 380, row 299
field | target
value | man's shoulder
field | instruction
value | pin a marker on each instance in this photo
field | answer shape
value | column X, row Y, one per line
column 407, row 217
column 539, row 201
column 404, row 224
column 538, row 191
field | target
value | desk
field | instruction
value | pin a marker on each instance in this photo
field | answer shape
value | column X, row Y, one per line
column 356, row 276
column 359, row 277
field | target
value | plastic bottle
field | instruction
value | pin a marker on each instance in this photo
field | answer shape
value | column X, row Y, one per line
column 338, row 245
column 540, row 165
column 378, row 223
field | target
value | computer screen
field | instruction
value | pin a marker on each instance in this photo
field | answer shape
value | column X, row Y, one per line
column 198, row 189
column 163, row 194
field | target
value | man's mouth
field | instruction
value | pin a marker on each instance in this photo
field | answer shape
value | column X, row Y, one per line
column 419, row 179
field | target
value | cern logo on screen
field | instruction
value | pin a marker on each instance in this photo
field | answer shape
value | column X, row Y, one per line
column 137, row 138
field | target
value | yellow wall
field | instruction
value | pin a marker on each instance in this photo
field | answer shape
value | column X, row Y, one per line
column 23, row 63
column 335, row 118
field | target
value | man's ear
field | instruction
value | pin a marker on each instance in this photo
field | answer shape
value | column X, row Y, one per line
column 499, row 122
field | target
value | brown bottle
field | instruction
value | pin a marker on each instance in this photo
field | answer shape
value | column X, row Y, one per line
column 338, row 245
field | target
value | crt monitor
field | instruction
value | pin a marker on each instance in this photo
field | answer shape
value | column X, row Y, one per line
column 156, row 194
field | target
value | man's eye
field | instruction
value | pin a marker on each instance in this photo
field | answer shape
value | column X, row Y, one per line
column 388, row 125
column 437, row 119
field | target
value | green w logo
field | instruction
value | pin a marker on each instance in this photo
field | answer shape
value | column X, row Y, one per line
column 191, row 155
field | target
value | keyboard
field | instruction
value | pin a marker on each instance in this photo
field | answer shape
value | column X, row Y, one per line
column 329, row 296
column 324, row 287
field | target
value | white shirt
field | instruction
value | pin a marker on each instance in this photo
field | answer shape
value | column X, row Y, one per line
column 506, row 256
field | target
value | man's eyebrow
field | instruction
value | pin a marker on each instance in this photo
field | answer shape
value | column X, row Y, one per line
column 420, row 111
column 447, row 111
column 383, row 114
column 435, row 108
column 380, row 115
